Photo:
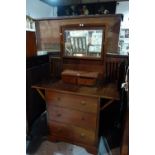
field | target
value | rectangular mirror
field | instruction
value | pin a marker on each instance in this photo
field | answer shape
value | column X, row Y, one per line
column 83, row 41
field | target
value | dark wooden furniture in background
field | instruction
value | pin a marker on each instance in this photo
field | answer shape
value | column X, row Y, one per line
column 125, row 135
column 55, row 66
column 37, row 69
column 31, row 47
column 125, row 121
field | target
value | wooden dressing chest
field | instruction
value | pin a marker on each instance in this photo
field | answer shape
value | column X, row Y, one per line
column 73, row 102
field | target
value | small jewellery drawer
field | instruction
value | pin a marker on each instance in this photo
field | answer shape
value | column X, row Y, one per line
column 73, row 101
column 73, row 133
column 86, row 81
column 73, row 117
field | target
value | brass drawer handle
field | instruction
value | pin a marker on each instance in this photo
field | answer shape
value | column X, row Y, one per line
column 82, row 135
column 83, row 102
column 58, row 98
column 59, row 115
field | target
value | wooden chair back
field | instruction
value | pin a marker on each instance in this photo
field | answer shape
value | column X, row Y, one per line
column 115, row 69
column 78, row 45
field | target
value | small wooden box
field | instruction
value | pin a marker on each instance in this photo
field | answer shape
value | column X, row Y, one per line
column 80, row 77
column 69, row 79
column 69, row 76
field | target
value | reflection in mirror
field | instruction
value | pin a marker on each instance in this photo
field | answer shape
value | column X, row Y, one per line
column 83, row 42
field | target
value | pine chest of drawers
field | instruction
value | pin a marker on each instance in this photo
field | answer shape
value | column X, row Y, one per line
column 73, row 118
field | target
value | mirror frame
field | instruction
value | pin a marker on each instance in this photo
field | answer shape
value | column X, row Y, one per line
column 84, row 27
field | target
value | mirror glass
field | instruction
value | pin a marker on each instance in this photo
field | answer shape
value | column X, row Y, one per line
column 83, row 42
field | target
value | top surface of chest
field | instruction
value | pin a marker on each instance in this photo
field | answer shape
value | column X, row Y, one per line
column 108, row 91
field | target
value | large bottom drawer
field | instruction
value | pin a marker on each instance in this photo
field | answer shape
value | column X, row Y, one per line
column 72, row 133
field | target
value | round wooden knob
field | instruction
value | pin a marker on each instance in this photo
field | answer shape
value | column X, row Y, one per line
column 83, row 102
column 82, row 135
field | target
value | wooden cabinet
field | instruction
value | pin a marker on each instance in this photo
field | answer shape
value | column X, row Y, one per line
column 31, row 47
column 73, row 117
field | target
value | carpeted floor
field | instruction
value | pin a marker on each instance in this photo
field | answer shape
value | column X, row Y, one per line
column 61, row 148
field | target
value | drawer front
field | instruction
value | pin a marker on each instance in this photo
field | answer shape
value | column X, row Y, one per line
column 73, row 117
column 78, row 102
column 69, row 79
column 86, row 81
column 73, row 133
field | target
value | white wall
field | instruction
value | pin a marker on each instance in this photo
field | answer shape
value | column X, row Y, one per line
column 123, row 8
column 38, row 9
